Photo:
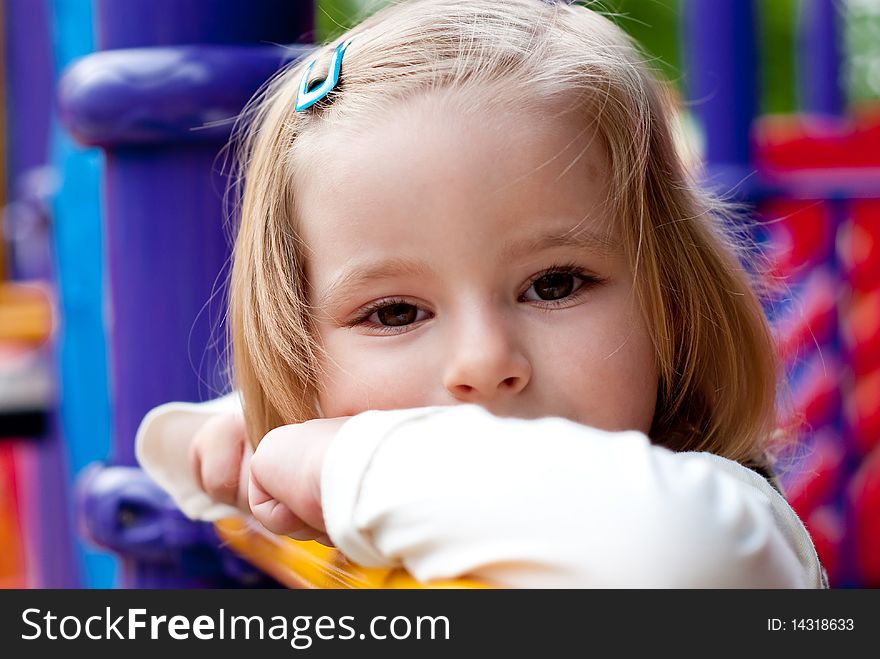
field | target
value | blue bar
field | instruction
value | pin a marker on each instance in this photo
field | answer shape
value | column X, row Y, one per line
column 84, row 401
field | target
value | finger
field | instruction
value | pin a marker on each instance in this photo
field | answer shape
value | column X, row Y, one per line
column 284, row 466
column 195, row 463
column 325, row 540
column 218, row 453
column 244, row 479
column 311, row 533
column 270, row 512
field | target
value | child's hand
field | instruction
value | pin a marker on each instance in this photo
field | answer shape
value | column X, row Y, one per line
column 219, row 457
column 285, row 479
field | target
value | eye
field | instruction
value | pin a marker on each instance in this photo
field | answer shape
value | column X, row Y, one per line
column 397, row 315
column 390, row 316
column 558, row 283
column 555, row 286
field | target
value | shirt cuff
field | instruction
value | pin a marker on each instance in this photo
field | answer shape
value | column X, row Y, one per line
column 346, row 465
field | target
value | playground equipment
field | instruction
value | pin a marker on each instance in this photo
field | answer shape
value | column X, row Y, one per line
column 35, row 524
column 157, row 100
column 815, row 181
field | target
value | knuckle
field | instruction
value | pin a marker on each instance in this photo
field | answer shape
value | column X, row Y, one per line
column 255, row 465
column 272, row 436
column 218, row 485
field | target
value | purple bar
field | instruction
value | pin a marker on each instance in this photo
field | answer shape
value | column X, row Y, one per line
column 166, row 251
column 721, row 80
column 29, row 73
column 128, row 513
column 819, row 58
column 27, row 52
column 172, row 95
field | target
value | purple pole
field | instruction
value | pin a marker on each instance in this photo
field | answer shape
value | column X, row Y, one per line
column 721, row 81
column 162, row 115
column 160, row 104
column 29, row 80
column 819, row 58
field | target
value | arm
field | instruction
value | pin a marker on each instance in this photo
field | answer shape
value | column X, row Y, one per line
column 454, row 491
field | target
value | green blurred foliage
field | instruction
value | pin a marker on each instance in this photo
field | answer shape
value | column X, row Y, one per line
column 655, row 25
column 863, row 39
column 776, row 53
column 336, row 16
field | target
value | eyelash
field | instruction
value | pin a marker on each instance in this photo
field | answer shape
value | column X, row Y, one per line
column 376, row 306
column 589, row 281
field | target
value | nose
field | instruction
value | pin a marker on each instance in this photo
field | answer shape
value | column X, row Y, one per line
column 485, row 363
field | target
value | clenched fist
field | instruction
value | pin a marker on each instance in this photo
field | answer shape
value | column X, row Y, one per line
column 285, row 479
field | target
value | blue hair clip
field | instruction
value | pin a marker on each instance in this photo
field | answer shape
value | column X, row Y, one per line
column 307, row 97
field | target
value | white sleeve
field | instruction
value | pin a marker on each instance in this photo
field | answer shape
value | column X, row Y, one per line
column 162, row 450
column 454, row 491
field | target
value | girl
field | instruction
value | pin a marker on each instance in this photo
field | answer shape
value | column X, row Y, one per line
column 484, row 324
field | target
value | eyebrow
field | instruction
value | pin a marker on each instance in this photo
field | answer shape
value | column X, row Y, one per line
column 342, row 288
column 345, row 286
column 589, row 241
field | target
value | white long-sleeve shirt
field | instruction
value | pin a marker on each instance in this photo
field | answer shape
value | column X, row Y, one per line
column 455, row 491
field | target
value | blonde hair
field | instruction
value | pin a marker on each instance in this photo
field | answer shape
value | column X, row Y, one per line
column 715, row 353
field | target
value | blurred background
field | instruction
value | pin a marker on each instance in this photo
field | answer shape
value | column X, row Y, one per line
column 113, row 250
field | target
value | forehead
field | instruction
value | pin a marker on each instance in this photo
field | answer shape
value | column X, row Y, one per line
column 433, row 164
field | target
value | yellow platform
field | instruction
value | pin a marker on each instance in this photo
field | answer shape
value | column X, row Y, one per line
column 298, row 564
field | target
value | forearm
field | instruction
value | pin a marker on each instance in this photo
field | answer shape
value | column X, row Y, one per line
column 448, row 492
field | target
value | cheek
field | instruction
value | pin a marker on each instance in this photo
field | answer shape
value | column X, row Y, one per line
column 610, row 379
column 358, row 377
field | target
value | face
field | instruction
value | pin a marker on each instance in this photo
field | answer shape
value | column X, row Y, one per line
column 465, row 258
